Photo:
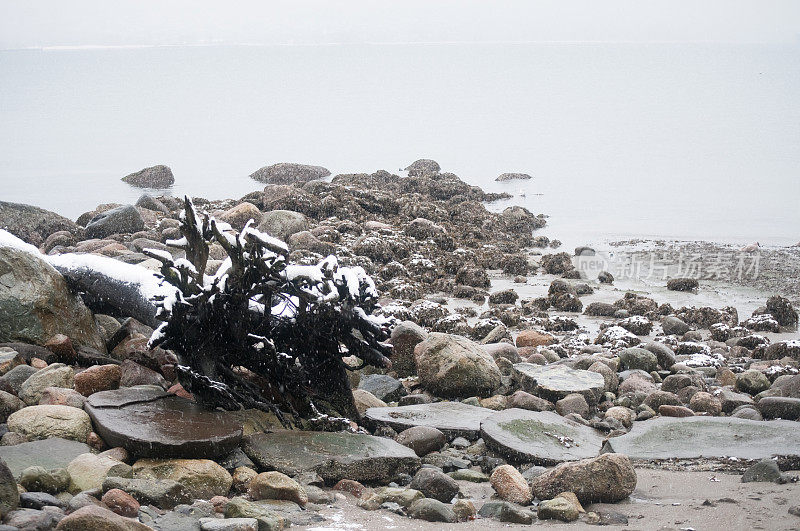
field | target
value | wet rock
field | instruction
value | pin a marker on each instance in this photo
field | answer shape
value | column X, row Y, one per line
column 333, row 456
column 702, row 402
column 148, row 422
column 55, row 375
column 435, row 484
column 277, row 486
column 637, row 324
column 608, row 478
column 533, row 338
column 731, row 400
column 513, row 177
column 510, row 485
column 638, row 358
column 365, row 400
column 664, row 355
column 151, row 203
column 558, row 508
column 98, row 378
column 153, row 177
column 401, row 496
column 36, row 520
column 203, row 478
column 670, row 410
column 132, row 373
column 539, row 437
column 600, row 309
column 39, row 479
column 121, row 503
column 163, row 493
column 228, row 524
column 383, row 387
column 422, row 439
column 454, row 419
column 120, row 220
column 674, row 326
column 464, row 510
column 289, row 173
column 44, row 422
column 554, row 382
column 523, row 400
column 40, row 500
column 58, row 396
column 432, row 510
column 709, row 437
column 474, row 276
column 454, row 367
column 765, row 470
column 782, row 349
column 33, row 224
column 503, row 350
column 9, row 495
column 8, row 405
column 88, row 471
column 752, row 381
column 779, row 407
column 781, row 309
column 573, row 404
column 506, row 512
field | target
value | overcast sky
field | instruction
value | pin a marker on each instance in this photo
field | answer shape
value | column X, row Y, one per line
column 36, row 23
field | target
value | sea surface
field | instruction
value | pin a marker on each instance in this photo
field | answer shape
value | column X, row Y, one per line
column 673, row 141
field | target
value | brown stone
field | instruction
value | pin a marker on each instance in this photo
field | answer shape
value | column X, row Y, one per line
column 94, row 517
column 674, row 411
column 510, row 485
column 533, row 338
column 98, row 378
column 276, row 486
column 121, row 503
column 348, row 485
column 61, row 346
column 607, row 478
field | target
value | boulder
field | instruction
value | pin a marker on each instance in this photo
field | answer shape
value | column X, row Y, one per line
column 203, row 478
column 454, row 419
column 332, row 455
column 55, row 375
column 452, row 366
column 121, row 503
column 382, row 386
column 163, row 493
column 289, row 173
column 148, row 422
column 558, row 508
column 779, row 407
column 9, row 495
column 432, row 510
column 276, row 486
column 267, row 518
column 153, row 177
column 96, row 518
column 89, row 471
column 607, row 478
column 98, row 378
column 638, row 358
column 36, row 304
column 239, row 215
column 510, row 485
column 674, row 326
column 423, row 168
column 50, row 454
column 33, row 224
column 422, row 439
column 513, row 177
column 554, row 382
column 39, row 479
column 434, row 483
column 44, row 422
column 283, row 223
column 119, row 220
column 544, row 438
column 682, row 284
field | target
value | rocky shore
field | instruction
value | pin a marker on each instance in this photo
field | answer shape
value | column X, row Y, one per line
column 527, row 385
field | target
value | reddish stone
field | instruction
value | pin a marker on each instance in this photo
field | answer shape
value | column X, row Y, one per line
column 219, row 503
column 348, row 485
column 60, row 396
column 532, row 338
column 135, row 374
column 38, row 363
column 666, row 410
column 61, row 346
column 121, row 503
column 178, row 390
column 95, row 441
column 98, row 378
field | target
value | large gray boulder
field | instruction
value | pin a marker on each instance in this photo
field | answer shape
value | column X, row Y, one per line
column 9, row 495
column 289, row 173
column 452, row 366
column 115, row 221
column 153, row 177
column 35, row 303
column 33, row 224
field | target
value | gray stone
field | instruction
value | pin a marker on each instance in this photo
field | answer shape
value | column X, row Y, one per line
column 664, row 354
column 731, row 399
column 422, row 439
column 506, row 512
column 765, row 470
column 17, row 376
column 268, row 519
column 382, row 386
column 153, row 177
column 150, row 423
column 228, row 524
column 432, row 511
column 120, row 220
column 54, row 375
column 34, row 519
column 50, row 454
column 674, row 326
column 638, row 358
column 543, row 438
column 452, row 366
column 39, row 500
column 9, row 495
column 332, row 455
column 405, row 337
column 708, row 437
column 554, row 382
column 454, row 419
column 31, row 223
column 36, row 304
column 779, row 407
column 434, row 483
column 163, row 493
column 513, row 177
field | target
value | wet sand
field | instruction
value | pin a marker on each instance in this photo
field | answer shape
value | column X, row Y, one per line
column 662, row 500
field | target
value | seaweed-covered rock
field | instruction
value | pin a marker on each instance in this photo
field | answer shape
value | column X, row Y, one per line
column 289, row 173
column 455, row 367
column 153, row 177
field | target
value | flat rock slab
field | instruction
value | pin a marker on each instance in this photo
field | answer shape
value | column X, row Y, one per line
column 151, row 423
column 332, row 455
column 454, row 419
column 708, row 437
column 544, row 438
column 48, row 453
column 554, row 382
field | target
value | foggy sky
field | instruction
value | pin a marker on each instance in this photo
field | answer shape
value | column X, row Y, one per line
column 38, row 23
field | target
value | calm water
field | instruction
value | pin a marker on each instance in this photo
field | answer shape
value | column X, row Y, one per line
column 673, row 141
